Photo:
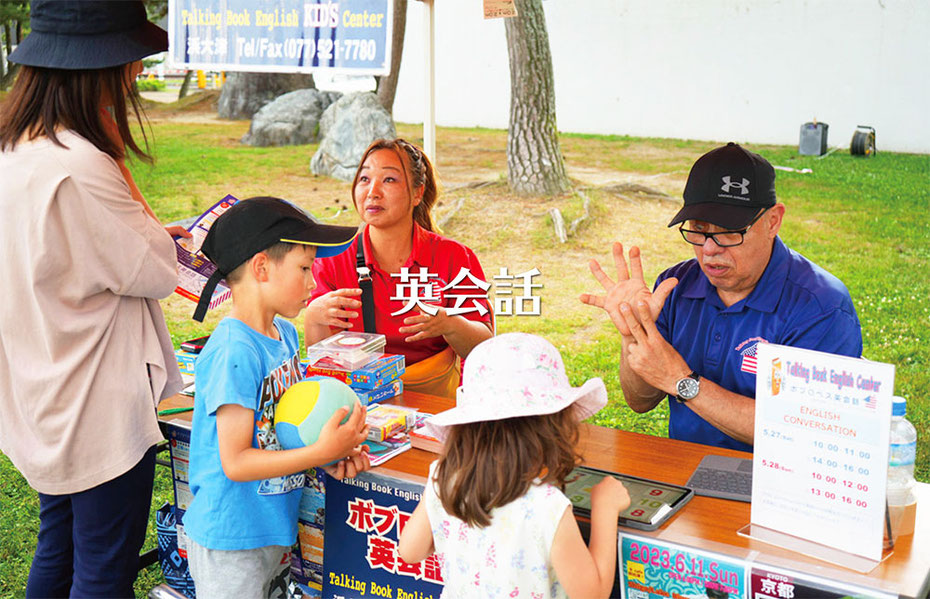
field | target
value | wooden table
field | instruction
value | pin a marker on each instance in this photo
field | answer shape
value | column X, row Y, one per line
column 705, row 523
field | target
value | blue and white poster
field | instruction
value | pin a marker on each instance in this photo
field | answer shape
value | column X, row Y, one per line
column 364, row 517
column 285, row 36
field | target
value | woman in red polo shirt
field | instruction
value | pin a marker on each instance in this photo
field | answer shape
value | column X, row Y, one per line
column 429, row 292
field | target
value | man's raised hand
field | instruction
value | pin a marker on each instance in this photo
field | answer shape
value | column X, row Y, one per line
column 629, row 288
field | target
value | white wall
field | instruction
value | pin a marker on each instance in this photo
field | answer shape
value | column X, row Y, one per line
column 742, row 70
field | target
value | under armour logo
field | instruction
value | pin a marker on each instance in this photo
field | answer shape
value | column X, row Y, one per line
column 727, row 185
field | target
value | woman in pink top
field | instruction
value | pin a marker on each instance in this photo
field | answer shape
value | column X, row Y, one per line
column 84, row 351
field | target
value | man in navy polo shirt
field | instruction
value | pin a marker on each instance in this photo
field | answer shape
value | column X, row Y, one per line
column 693, row 338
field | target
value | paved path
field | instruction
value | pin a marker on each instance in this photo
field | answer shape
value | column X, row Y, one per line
column 167, row 96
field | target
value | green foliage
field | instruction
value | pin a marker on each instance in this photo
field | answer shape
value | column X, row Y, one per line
column 150, row 85
column 14, row 25
column 13, row 12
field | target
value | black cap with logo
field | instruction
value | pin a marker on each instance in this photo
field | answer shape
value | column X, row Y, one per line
column 254, row 225
column 727, row 187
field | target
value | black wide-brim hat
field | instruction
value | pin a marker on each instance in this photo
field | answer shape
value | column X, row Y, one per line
column 254, row 225
column 88, row 34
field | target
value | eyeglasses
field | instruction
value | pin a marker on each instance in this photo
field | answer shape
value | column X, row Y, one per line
column 724, row 239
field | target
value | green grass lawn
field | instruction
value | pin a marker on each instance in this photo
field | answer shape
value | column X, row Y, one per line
column 860, row 218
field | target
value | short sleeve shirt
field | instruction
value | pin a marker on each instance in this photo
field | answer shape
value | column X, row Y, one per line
column 438, row 268
column 508, row 558
column 240, row 366
column 795, row 303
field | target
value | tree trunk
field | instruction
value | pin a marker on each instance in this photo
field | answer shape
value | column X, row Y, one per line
column 387, row 84
column 4, row 52
column 12, row 35
column 185, row 85
column 245, row 93
column 534, row 160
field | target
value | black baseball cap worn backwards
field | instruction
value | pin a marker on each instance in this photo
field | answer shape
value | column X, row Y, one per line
column 88, row 34
column 727, row 187
column 253, row 225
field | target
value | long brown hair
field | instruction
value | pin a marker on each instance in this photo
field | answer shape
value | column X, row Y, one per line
column 43, row 100
column 419, row 171
column 489, row 464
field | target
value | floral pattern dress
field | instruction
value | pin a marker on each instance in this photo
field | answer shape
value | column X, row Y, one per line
column 510, row 557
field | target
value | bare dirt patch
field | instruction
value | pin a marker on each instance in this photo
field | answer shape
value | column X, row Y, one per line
column 508, row 231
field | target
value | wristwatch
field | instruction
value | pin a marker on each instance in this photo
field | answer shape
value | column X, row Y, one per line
column 688, row 387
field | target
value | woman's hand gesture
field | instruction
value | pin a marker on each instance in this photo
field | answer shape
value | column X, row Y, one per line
column 334, row 309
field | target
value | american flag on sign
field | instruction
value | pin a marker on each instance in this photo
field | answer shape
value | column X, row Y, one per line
column 871, row 402
column 749, row 359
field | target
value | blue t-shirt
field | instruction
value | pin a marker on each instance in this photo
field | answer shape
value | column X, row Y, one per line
column 795, row 303
column 239, row 365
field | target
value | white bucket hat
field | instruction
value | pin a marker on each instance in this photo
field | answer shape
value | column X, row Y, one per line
column 515, row 375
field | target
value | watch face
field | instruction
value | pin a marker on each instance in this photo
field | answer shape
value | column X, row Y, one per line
column 688, row 388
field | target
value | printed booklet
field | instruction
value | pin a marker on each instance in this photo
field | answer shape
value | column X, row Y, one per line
column 193, row 268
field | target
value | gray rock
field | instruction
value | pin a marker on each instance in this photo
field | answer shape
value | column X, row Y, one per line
column 291, row 119
column 244, row 94
column 347, row 128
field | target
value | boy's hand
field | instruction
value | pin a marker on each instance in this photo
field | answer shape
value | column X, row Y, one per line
column 338, row 441
column 349, row 467
column 610, row 495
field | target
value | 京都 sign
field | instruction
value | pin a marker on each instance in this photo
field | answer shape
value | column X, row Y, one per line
column 289, row 36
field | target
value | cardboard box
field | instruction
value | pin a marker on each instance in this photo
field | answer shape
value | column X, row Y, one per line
column 376, row 373
column 186, row 361
column 373, row 396
column 386, row 420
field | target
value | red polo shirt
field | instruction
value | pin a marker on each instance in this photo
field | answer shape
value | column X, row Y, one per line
column 434, row 276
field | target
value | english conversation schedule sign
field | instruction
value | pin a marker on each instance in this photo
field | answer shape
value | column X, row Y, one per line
column 821, row 447
column 289, row 36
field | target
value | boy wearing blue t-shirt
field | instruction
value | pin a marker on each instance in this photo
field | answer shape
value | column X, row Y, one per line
column 243, row 518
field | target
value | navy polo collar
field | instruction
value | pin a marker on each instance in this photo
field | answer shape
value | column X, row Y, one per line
column 763, row 298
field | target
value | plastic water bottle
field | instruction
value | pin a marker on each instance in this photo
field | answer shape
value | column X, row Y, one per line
column 902, row 497
column 903, row 439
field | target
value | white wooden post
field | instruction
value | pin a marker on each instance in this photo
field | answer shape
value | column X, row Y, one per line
column 429, row 117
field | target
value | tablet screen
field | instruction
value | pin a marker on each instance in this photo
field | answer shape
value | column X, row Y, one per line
column 651, row 502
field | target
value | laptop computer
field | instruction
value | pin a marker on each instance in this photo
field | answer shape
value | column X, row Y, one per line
column 724, row 477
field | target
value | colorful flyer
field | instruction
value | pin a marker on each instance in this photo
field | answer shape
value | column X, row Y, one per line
column 653, row 569
column 775, row 583
column 193, row 267
column 821, row 448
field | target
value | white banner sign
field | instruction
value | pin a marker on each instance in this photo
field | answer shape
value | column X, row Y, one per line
column 821, row 447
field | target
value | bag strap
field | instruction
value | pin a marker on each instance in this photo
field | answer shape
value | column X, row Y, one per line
column 364, row 283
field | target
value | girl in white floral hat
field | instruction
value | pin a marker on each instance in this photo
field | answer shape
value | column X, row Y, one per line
column 493, row 505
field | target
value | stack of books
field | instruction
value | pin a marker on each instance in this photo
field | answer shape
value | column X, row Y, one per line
column 357, row 359
column 388, row 431
column 419, row 438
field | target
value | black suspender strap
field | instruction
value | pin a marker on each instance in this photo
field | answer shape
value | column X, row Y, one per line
column 364, row 283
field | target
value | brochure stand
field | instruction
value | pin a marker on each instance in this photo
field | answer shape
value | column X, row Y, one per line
column 821, row 456
column 845, row 559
